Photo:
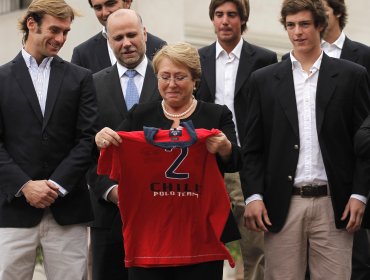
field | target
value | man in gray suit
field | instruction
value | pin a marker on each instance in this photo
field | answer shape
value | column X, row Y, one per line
column 126, row 36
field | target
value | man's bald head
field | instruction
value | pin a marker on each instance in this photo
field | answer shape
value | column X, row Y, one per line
column 125, row 15
column 127, row 37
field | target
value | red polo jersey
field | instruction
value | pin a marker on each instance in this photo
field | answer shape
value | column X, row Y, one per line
column 172, row 197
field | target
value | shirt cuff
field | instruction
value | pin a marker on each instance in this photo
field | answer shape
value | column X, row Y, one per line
column 105, row 195
column 253, row 197
column 360, row 197
column 20, row 193
column 61, row 191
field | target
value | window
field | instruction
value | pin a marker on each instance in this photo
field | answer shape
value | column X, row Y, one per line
column 7, row 6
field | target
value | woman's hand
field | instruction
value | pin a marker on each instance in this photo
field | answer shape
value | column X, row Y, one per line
column 219, row 144
column 106, row 137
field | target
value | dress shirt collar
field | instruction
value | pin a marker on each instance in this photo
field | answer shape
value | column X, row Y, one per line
column 338, row 43
column 140, row 69
column 104, row 33
column 31, row 61
column 236, row 51
column 297, row 65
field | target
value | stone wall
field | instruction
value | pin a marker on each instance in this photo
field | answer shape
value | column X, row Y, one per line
column 186, row 20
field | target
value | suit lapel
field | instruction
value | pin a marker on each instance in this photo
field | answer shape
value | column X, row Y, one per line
column 55, row 81
column 349, row 51
column 286, row 95
column 325, row 88
column 245, row 66
column 209, row 69
column 114, row 90
column 149, row 86
column 23, row 77
column 101, row 48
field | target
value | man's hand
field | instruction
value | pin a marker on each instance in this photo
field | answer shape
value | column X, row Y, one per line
column 355, row 208
column 40, row 194
column 113, row 195
column 255, row 216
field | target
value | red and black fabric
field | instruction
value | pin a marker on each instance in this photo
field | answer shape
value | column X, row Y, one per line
column 183, row 201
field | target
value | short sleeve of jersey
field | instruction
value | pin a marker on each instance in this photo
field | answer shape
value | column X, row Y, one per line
column 109, row 163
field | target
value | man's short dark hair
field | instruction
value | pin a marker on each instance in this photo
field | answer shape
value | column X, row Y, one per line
column 339, row 8
column 92, row 5
column 316, row 7
column 241, row 5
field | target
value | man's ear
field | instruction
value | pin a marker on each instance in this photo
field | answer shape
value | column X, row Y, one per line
column 145, row 34
column 320, row 28
column 31, row 23
column 127, row 4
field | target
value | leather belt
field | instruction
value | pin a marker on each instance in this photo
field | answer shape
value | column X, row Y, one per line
column 311, row 191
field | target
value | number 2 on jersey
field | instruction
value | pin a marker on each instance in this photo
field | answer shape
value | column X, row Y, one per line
column 171, row 171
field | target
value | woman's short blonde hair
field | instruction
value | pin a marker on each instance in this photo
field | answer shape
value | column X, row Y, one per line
column 182, row 54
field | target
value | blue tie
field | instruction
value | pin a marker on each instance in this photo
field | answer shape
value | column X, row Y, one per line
column 132, row 96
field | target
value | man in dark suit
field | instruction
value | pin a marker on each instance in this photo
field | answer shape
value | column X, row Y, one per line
column 336, row 44
column 47, row 123
column 227, row 65
column 94, row 53
column 126, row 36
column 306, row 189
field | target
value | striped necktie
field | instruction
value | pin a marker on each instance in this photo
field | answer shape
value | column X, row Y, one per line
column 132, row 95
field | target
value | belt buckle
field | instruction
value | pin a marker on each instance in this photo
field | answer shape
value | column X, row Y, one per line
column 308, row 191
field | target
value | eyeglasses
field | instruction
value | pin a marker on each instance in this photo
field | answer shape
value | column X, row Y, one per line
column 176, row 79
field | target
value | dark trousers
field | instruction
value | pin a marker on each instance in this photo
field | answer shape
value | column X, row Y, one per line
column 361, row 255
column 202, row 271
column 107, row 252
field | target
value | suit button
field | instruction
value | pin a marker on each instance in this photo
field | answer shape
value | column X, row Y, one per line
column 45, row 137
column 45, row 165
column 290, row 178
column 296, row 147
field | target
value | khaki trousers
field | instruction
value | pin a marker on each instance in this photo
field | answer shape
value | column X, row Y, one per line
column 251, row 243
column 64, row 250
column 309, row 230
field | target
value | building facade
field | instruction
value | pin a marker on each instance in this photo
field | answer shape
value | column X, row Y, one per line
column 179, row 20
